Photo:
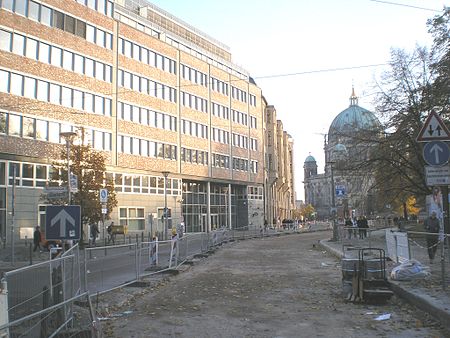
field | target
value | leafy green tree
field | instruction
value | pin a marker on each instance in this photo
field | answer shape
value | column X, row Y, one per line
column 90, row 168
column 307, row 211
column 439, row 91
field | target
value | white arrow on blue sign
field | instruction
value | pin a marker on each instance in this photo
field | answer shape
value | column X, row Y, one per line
column 63, row 222
column 340, row 191
column 436, row 153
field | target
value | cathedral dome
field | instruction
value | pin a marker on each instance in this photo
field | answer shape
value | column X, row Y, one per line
column 352, row 119
column 310, row 159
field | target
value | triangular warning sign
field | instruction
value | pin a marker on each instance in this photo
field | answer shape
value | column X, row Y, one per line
column 433, row 129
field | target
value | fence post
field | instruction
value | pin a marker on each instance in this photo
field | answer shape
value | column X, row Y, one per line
column 138, row 260
column 45, row 304
column 4, row 308
column 31, row 255
column 443, row 263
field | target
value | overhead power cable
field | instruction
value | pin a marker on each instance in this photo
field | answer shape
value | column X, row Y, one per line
column 405, row 5
column 319, row 71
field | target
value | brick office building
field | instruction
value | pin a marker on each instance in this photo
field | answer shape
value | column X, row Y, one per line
column 149, row 91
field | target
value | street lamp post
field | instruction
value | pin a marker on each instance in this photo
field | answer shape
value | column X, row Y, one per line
column 68, row 136
column 333, row 204
column 165, row 174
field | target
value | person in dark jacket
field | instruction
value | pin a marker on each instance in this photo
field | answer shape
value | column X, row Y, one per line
column 432, row 226
column 94, row 233
column 37, row 239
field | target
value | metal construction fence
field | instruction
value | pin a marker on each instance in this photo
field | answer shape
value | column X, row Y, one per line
column 53, row 297
column 432, row 251
column 40, row 298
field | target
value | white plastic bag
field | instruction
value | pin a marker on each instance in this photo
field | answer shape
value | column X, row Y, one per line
column 409, row 270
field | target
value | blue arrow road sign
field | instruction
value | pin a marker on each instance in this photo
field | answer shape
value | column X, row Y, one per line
column 63, row 222
column 340, row 191
column 436, row 153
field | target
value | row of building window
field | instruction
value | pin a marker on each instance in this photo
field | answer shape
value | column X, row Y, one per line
column 194, row 156
column 53, row 18
column 102, row 6
column 28, row 174
column 194, row 75
column 239, row 117
column 136, row 146
column 190, row 50
column 240, row 164
column 45, row 91
column 43, row 130
column 132, row 217
column 220, row 111
column 141, row 84
column 142, row 54
column 252, row 100
column 55, row 56
column 146, row 117
column 220, row 161
column 144, row 184
column 220, row 135
column 254, row 144
column 194, row 129
column 240, row 141
column 219, row 86
column 194, row 102
column 238, row 94
column 254, row 193
column 138, row 25
column 253, row 122
column 38, row 175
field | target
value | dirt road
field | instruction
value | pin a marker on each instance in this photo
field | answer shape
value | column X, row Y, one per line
column 273, row 287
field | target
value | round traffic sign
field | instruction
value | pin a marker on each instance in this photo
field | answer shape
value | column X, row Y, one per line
column 103, row 195
column 436, row 153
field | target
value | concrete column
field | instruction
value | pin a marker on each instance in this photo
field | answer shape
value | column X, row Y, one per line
column 229, row 206
column 208, row 206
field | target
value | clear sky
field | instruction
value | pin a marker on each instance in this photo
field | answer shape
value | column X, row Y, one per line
column 274, row 38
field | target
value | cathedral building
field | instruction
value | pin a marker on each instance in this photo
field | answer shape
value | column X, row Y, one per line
column 342, row 190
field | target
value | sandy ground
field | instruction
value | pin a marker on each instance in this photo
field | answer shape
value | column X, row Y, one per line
column 272, row 287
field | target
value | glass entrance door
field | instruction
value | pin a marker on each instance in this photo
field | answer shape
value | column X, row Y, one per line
column 214, row 221
column 203, row 223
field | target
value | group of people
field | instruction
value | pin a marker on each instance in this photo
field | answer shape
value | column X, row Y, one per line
column 357, row 227
column 95, row 232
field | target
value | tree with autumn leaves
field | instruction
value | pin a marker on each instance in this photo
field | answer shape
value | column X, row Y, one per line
column 89, row 167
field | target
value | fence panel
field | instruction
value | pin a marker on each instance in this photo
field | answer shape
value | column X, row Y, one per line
column 110, row 267
column 47, row 322
column 34, row 288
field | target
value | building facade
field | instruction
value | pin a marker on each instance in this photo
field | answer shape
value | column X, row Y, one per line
column 279, row 170
column 150, row 92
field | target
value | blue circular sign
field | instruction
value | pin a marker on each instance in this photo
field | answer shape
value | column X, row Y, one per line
column 436, row 153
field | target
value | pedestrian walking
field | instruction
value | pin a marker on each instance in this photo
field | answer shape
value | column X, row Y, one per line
column 111, row 235
column 37, row 238
column 94, row 232
column 364, row 226
column 432, row 226
column 349, row 225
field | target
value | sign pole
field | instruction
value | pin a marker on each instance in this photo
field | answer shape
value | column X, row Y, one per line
column 444, row 190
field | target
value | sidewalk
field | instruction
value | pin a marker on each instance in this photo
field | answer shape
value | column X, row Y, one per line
column 426, row 294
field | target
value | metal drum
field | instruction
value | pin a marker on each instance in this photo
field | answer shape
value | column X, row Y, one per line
column 350, row 267
column 373, row 268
